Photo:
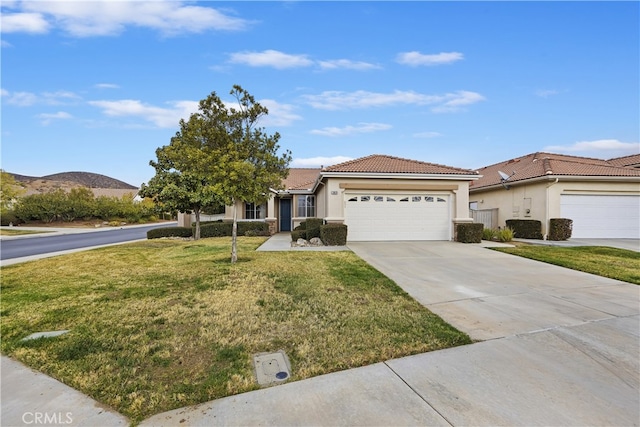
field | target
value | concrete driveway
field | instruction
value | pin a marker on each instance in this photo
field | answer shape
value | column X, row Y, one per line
column 562, row 347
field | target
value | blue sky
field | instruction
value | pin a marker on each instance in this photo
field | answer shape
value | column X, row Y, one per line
column 98, row 86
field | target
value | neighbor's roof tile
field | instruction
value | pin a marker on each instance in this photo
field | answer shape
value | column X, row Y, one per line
column 538, row 165
column 378, row 163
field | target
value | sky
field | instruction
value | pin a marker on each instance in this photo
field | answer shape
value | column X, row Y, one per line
column 98, row 86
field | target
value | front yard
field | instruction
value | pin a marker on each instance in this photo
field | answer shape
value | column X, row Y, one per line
column 163, row 324
column 619, row 264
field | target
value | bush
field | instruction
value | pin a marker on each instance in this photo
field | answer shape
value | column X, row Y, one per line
column 334, row 234
column 222, row 229
column 298, row 234
column 505, row 234
column 214, row 229
column 489, row 234
column 7, row 216
column 560, row 228
column 253, row 228
column 312, row 226
column 157, row 233
column 470, row 233
column 525, row 228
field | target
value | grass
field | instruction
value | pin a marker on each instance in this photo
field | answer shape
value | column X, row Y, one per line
column 162, row 324
column 18, row 232
column 619, row 264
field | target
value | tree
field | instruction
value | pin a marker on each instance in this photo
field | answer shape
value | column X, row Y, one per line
column 10, row 189
column 219, row 155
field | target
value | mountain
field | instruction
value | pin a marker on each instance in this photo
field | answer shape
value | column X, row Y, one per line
column 83, row 179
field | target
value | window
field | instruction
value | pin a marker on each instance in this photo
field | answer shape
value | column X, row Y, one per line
column 440, row 199
column 416, row 198
column 390, row 199
column 306, row 206
column 354, row 199
column 404, row 199
column 378, row 198
column 365, row 198
column 428, row 198
column 253, row 211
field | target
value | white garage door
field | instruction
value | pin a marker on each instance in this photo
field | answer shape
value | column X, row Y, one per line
column 376, row 217
column 602, row 216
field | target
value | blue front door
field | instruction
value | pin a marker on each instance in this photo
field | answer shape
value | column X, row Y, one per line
column 285, row 214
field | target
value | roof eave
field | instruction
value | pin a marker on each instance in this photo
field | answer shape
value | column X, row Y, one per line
column 551, row 177
column 399, row 175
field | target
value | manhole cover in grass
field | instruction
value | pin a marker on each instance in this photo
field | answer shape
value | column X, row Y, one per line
column 49, row 334
column 271, row 368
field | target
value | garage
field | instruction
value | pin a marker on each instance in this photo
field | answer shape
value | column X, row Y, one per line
column 398, row 216
column 602, row 216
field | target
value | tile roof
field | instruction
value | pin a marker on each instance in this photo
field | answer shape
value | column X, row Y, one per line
column 301, row 178
column 378, row 163
column 541, row 165
column 632, row 160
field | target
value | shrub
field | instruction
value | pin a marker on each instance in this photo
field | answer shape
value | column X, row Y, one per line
column 505, row 234
column 470, row 233
column 560, row 228
column 215, row 229
column 298, row 234
column 7, row 216
column 253, row 228
column 489, row 234
column 157, row 233
column 313, row 227
column 334, row 234
column 525, row 228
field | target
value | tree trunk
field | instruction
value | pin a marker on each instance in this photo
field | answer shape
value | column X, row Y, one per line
column 234, row 235
column 197, row 234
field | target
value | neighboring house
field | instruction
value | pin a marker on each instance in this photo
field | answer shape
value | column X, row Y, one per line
column 602, row 197
column 378, row 197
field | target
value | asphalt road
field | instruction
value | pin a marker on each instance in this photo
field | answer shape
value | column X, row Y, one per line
column 45, row 244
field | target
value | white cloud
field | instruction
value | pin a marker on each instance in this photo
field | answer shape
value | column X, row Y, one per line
column 426, row 135
column 27, row 99
column 416, row 59
column 279, row 114
column 33, row 23
column 20, row 99
column 160, row 117
column 602, row 148
column 270, row 58
column 106, row 86
column 351, row 130
column 316, row 162
column 347, row 64
column 105, row 17
column 545, row 93
column 337, row 100
column 47, row 118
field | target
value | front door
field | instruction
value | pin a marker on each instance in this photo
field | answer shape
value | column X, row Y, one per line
column 285, row 214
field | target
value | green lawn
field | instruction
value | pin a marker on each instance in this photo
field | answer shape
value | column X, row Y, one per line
column 162, row 324
column 18, row 232
column 604, row 261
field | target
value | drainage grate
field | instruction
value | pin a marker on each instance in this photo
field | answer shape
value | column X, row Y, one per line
column 49, row 334
column 271, row 368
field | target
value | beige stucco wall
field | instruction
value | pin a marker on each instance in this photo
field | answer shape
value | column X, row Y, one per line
column 543, row 198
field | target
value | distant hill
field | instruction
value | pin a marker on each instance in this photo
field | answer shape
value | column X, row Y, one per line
column 83, row 179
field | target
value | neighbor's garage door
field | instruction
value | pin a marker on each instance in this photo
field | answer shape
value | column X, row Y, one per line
column 602, row 216
column 376, row 217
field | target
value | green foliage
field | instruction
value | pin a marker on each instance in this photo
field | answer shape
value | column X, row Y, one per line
column 525, row 228
column 489, row 234
column 10, row 189
column 334, row 234
column 157, row 233
column 298, row 234
column 470, row 233
column 313, row 227
column 245, row 228
column 219, row 156
column 560, row 228
column 505, row 234
column 215, row 229
column 8, row 216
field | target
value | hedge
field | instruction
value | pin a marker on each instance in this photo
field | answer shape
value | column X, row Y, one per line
column 157, row 233
column 470, row 233
column 560, row 228
column 334, row 234
column 222, row 229
column 525, row 228
column 312, row 225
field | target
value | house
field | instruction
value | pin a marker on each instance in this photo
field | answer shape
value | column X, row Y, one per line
column 378, row 197
column 602, row 197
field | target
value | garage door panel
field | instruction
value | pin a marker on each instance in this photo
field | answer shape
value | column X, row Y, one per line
column 397, row 217
column 602, row 216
